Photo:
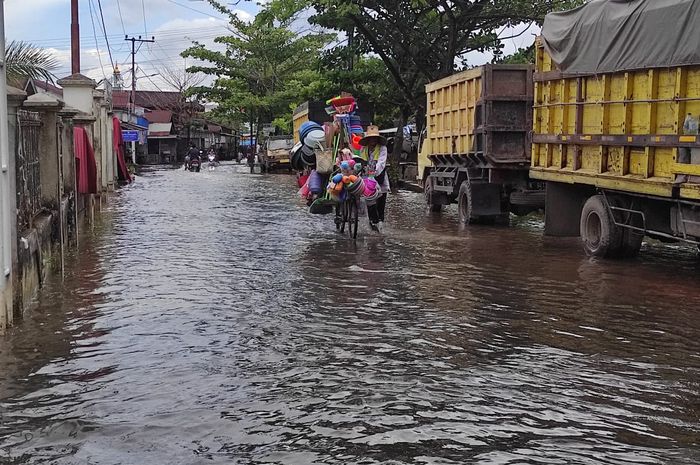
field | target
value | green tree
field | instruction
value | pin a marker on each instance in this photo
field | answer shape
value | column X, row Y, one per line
column 419, row 41
column 24, row 60
column 523, row 56
column 264, row 68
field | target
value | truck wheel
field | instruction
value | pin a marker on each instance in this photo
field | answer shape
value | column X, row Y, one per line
column 630, row 240
column 464, row 203
column 600, row 236
column 428, row 193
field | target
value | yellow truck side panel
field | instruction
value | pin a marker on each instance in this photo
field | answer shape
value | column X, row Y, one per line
column 618, row 130
column 299, row 119
column 450, row 115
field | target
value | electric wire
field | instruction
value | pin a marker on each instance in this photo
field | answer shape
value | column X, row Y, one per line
column 97, row 47
column 143, row 9
column 104, row 29
column 121, row 19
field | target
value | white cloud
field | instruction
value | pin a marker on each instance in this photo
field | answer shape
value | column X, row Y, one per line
column 526, row 37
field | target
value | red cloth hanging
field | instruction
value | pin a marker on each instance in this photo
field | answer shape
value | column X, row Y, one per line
column 85, row 163
column 124, row 174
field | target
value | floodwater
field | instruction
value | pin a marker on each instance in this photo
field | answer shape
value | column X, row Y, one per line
column 209, row 319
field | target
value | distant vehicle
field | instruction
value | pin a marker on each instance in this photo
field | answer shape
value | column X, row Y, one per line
column 212, row 161
column 409, row 148
column 276, row 153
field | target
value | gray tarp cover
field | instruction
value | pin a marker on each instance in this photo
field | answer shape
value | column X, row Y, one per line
column 613, row 35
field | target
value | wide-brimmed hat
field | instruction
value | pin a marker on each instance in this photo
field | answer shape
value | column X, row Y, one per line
column 373, row 131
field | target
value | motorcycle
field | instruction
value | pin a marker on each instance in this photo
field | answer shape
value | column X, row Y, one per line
column 194, row 165
column 212, row 161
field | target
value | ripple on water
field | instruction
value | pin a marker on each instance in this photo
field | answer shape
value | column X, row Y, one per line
column 210, row 319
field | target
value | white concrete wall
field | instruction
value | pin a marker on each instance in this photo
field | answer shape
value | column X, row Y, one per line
column 7, row 216
column 79, row 97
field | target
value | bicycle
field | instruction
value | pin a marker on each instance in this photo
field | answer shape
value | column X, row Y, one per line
column 347, row 213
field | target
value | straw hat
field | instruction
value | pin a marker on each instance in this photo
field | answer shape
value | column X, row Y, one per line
column 372, row 131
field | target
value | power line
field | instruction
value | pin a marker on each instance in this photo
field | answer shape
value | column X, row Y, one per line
column 215, row 31
column 94, row 32
column 236, row 33
column 121, row 19
column 193, row 9
column 143, row 9
column 104, row 29
column 149, row 78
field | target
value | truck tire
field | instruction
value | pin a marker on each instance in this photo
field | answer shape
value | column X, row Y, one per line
column 428, row 193
column 600, row 235
column 476, row 204
column 630, row 240
column 465, row 203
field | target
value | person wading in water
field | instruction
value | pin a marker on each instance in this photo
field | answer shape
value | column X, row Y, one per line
column 375, row 153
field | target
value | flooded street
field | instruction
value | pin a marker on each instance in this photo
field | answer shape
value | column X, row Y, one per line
column 208, row 318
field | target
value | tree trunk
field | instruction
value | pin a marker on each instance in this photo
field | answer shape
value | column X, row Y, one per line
column 394, row 170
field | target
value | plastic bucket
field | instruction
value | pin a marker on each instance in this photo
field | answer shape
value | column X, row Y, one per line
column 315, row 182
column 315, row 138
column 371, row 183
column 308, row 126
column 308, row 159
column 372, row 199
column 296, row 161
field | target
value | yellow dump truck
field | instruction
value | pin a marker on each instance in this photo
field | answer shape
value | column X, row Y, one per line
column 476, row 150
column 613, row 93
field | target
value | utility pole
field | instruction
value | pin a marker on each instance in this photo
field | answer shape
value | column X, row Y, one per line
column 132, row 107
column 74, row 38
column 133, row 41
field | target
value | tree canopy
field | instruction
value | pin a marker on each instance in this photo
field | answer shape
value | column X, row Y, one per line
column 384, row 51
column 260, row 69
column 422, row 40
column 24, row 60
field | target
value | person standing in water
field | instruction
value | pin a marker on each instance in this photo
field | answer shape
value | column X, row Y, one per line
column 375, row 153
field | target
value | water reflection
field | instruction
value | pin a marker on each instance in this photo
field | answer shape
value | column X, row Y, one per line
column 211, row 320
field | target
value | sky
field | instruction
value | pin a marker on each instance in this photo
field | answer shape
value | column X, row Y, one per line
column 173, row 23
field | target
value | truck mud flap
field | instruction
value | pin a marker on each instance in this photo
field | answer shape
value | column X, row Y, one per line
column 563, row 206
column 486, row 199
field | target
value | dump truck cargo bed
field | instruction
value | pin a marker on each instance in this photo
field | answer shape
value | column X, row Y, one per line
column 477, row 147
column 481, row 117
column 618, row 130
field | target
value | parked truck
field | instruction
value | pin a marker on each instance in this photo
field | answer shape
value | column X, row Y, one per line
column 609, row 118
column 276, row 153
column 476, row 147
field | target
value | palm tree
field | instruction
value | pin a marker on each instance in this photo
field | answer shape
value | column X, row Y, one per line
column 24, row 60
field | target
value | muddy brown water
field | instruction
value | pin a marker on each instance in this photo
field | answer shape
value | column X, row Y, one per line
column 209, row 319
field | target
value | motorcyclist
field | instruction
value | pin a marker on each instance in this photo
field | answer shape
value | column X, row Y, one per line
column 211, row 156
column 192, row 153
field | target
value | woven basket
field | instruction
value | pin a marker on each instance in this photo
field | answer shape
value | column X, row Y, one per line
column 324, row 161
